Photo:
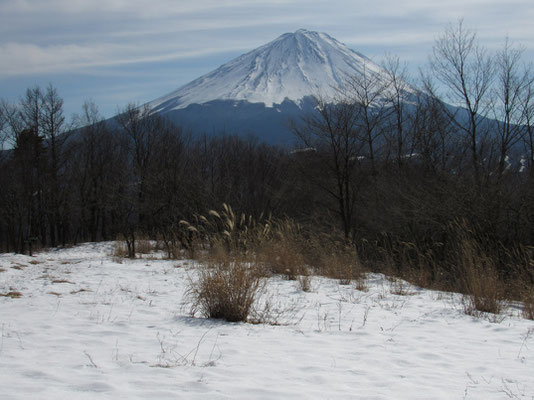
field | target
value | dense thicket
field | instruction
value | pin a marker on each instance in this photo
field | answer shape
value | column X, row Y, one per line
column 406, row 179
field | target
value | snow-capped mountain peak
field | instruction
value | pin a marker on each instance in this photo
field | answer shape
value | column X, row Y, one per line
column 293, row 66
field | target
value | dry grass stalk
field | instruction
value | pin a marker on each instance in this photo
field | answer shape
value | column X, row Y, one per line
column 237, row 234
column 305, row 281
column 361, row 284
column 120, row 250
column 144, row 246
column 341, row 263
column 399, row 287
column 485, row 290
column 283, row 258
column 528, row 305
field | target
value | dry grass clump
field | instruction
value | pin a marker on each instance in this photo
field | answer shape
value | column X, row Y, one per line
column 14, row 294
column 61, row 280
column 225, row 290
column 80, row 291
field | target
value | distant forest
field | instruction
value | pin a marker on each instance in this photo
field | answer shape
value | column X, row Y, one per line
column 402, row 177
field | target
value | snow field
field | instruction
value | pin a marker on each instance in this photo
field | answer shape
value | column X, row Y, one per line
column 90, row 326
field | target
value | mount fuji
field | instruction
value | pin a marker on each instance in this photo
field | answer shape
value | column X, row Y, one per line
column 261, row 91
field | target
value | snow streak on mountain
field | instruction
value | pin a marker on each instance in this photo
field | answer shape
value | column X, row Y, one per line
column 290, row 67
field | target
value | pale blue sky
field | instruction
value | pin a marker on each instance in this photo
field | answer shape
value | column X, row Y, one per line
column 119, row 51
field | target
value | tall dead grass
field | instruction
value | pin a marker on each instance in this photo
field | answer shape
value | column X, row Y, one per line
column 465, row 262
column 461, row 258
column 236, row 234
column 484, row 289
column 278, row 246
column 340, row 262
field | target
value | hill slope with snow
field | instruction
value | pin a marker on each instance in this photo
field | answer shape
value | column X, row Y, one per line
column 87, row 325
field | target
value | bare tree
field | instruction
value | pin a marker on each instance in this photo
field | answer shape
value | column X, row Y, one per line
column 510, row 93
column 31, row 110
column 332, row 136
column 13, row 122
column 399, row 91
column 52, row 122
column 97, row 162
column 3, row 125
column 368, row 91
column 466, row 70
column 527, row 107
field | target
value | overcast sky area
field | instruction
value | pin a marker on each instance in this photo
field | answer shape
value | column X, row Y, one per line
column 120, row 51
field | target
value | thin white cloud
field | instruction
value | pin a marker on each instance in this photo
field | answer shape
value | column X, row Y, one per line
column 27, row 59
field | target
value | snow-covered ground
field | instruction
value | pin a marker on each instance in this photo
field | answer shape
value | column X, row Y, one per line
column 89, row 326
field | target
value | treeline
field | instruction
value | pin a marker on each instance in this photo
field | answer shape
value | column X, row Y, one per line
column 137, row 175
column 399, row 174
